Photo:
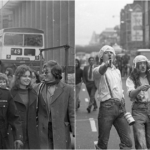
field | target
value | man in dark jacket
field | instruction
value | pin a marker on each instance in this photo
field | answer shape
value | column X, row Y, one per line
column 8, row 116
column 56, row 111
column 90, row 84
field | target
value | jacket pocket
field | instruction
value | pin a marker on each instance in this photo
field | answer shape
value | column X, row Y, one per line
column 3, row 107
column 3, row 103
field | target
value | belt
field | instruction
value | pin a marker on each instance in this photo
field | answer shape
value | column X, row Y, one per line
column 136, row 102
column 115, row 101
column 112, row 100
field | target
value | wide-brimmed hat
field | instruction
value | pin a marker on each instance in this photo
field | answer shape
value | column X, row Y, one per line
column 104, row 49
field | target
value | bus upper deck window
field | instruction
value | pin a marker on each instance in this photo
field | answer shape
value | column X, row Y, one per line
column 13, row 39
column 33, row 40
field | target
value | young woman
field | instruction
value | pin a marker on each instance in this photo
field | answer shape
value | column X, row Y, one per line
column 25, row 99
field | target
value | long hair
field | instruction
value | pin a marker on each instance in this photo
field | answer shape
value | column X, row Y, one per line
column 20, row 71
column 37, row 76
column 135, row 75
column 10, row 72
column 78, row 66
column 56, row 69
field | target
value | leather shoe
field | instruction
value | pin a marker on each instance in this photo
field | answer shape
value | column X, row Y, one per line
column 97, row 147
column 89, row 110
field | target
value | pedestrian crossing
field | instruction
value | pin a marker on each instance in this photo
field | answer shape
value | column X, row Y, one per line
column 93, row 125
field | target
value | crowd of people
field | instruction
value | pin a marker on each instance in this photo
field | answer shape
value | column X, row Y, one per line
column 106, row 78
column 37, row 111
column 122, row 62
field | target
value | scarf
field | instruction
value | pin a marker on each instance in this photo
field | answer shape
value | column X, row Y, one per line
column 51, row 83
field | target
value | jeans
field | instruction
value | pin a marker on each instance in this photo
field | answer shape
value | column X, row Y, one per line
column 91, row 88
column 111, row 113
column 141, row 128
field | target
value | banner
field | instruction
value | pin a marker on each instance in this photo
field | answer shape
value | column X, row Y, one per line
column 136, row 26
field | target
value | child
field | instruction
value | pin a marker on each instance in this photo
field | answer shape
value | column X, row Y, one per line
column 8, row 116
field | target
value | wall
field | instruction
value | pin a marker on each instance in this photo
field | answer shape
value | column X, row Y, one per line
column 55, row 18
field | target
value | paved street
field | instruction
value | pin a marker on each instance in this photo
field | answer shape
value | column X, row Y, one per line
column 87, row 124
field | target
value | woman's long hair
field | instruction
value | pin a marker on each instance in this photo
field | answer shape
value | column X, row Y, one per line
column 135, row 75
column 20, row 71
column 78, row 66
column 37, row 76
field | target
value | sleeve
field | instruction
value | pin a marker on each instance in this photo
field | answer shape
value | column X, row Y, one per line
column 14, row 119
column 84, row 76
column 71, row 110
column 130, row 85
column 96, row 73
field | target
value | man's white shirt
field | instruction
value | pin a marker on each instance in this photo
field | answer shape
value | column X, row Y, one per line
column 115, row 83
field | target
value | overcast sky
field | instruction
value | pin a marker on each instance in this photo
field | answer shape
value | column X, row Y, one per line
column 96, row 15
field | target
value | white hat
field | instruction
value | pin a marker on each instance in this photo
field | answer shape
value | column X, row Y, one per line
column 104, row 49
column 139, row 58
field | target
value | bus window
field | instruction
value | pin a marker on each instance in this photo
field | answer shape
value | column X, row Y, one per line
column 33, row 40
column 29, row 52
column 11, row 39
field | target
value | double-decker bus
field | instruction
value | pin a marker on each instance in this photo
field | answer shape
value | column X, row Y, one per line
column 20, row 46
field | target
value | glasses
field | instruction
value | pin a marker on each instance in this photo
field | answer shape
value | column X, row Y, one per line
column 46, row 72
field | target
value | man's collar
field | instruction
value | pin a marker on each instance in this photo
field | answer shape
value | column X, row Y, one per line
column 144, row 76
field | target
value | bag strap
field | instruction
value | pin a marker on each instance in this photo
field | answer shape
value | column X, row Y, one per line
column 108, row 86
column 122, row 100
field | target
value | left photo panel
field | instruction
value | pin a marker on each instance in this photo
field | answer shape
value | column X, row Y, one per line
column 37, row 74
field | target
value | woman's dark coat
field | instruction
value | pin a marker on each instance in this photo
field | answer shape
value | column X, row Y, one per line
column 31, row 114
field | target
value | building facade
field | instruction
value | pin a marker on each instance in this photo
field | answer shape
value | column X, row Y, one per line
column 55, row 18
column 131, row 26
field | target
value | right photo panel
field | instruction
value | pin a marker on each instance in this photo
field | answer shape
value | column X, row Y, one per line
column 112, row 64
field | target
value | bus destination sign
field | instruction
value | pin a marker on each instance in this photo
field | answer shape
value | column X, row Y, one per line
column 16, row 51
column 22, row 58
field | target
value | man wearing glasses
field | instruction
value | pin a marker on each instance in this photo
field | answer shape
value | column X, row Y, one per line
column 55, row 109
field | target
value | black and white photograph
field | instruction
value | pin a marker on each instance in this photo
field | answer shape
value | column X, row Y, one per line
column 75, row 74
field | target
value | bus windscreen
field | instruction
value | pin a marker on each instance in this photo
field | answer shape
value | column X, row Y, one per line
column 33, row 40
column 13, row 39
